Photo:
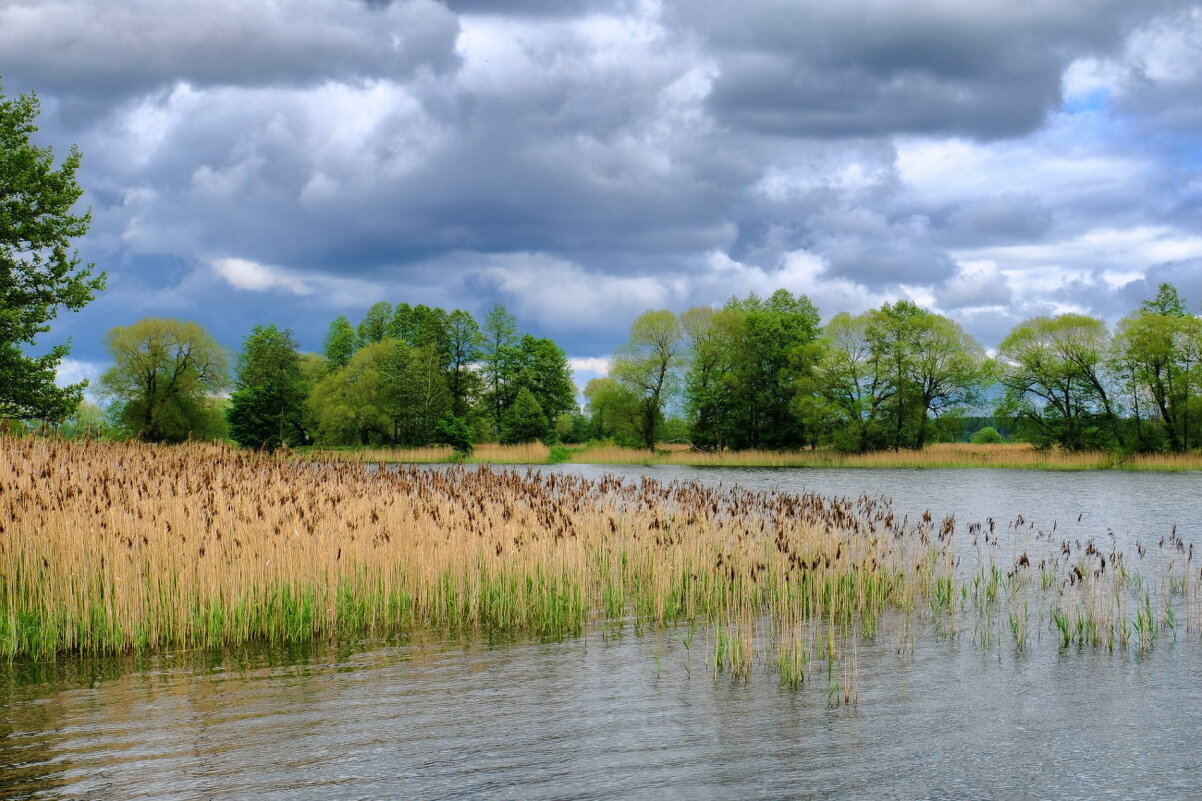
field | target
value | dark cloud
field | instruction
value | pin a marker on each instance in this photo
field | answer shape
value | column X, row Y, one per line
column 533, row 8
column 1004, row 219
column 90, row 49
column 878, row 252
column 983, row 69
column 1186, row 276
column 584, row 160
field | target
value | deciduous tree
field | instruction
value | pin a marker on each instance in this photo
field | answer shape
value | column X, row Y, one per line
column 166, row 374
column 40, row 273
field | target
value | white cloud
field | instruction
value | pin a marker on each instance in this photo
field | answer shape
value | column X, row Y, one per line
column 586, row 368
column 71, row 371
column 591, row 364
column 1121, row 251
column 562, row 294
column 255, row 277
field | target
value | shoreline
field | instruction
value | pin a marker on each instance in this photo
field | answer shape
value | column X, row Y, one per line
column 940, row 456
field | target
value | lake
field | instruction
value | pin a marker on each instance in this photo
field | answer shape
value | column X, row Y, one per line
column 617, row 714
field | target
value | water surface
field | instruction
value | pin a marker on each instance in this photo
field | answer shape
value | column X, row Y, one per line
column 626, row 716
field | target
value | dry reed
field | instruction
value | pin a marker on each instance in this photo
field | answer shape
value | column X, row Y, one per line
column 108, row 547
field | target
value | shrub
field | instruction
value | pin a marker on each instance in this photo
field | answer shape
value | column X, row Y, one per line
column 987, row 436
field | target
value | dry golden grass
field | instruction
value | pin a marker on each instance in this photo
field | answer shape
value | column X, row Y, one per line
column 107, row 547
column 115, row 546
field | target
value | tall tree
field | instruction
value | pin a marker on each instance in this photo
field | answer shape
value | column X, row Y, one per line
column 649, row 364
column 39, row 271
column 614, row 411
column 375, row 324
column 1157, row 351
column 414, row 391
column 464, row 341
column 749, row 361
column 497, row 353
column 710, row 385
column 166, row 374
column 852, row 388
column 773, row 355
column 542, row 367
column 1168, row 301
column 267, row 409
column 339, row 344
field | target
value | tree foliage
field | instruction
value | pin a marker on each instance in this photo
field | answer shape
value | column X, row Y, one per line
column 750, row 360
column 40, row 273
column 524, row 420
column 340, row 343
column 165, row 376
column 268, row 408
column 649, row 368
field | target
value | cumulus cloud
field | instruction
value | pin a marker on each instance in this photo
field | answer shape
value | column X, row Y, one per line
column 250, row 275
column 584, row 160
column 72, row 371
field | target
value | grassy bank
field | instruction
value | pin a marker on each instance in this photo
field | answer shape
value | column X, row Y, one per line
column 114, row 547
column 943, row 455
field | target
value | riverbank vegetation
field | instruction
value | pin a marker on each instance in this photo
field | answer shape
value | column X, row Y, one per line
column 939, row 455
column 109, row 547
column 755, row 382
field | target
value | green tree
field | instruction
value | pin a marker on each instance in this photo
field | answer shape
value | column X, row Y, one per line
column 1168, row 302
column 926, row 366
column 348, row 405
column 253, row 416
column 1053, row 371
column 524, row 420
column 498, row 354
column 339, row 344
column 415, row 394
column 649, row 366
column 454, row 431
column 748, row 363
column 986, row 436
column 613, row 411
column 88, row 420
column 165, row 376
column 541, row 366
column 1157, row 353
column 464, row 341
column 375, row 324
column 39, row 271
column 948, row 370
column 268, row 408
column 852, row 386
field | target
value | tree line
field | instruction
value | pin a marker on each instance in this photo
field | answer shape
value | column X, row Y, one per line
column 764, row 373
column 755, row 373
column 404, row 376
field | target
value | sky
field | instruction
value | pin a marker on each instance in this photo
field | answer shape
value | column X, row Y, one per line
column 580, row 161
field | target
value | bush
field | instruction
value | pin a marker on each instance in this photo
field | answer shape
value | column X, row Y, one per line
column 454, row 431
column 987, row 436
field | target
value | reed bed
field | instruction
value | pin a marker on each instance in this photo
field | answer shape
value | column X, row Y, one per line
column 108, row 547
column 941, row 455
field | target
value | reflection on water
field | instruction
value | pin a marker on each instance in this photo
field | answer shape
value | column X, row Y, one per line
column 642, row 716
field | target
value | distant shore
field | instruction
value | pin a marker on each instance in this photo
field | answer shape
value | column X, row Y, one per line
column 943, row 455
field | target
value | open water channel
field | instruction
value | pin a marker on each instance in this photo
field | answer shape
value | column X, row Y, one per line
column 642, row 716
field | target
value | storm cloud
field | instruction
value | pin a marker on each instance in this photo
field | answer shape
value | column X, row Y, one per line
column 583, row 161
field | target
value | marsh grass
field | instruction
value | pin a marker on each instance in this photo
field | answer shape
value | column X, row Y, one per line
column 109, row 548
column 941, row 455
